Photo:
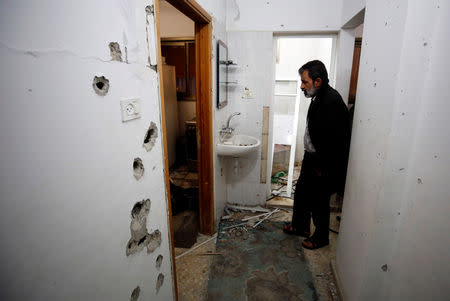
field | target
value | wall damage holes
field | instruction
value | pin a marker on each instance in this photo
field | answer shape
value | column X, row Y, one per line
column 159, row 261
column 425, row 44
column 138, row 168
column 159, row 282
column 135, row 294
column 140, row 238
column 419, row 181
column 114, row 49
column 100, row 85
column 150, row 10
column 384, row 267
column 150, row 136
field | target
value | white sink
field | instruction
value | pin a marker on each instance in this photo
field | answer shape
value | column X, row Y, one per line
column 238, row 146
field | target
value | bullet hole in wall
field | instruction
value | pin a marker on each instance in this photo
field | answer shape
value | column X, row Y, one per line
column 419, row 181
column 116, row 53
column 425, row 44
column 150, row 137
column 159, row 261
column 159, row 282
column 135, row 294
column 384, row 267
column 100, row 85
column 140, row 238
column 138, row 168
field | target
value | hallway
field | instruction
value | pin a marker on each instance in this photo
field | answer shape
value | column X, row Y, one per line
column 193, row 268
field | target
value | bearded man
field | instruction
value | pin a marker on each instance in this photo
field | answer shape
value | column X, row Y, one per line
column 324, row 165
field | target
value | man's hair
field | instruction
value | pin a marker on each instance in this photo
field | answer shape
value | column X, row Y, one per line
column 315, row 70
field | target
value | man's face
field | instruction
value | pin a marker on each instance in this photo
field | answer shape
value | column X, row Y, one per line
column 309, row 87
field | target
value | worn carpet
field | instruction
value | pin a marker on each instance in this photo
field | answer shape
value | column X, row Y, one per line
column 259, row 264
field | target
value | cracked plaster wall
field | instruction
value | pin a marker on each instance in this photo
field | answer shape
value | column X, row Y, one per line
column 66, row 184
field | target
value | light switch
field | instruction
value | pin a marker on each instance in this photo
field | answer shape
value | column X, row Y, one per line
column 131, row 109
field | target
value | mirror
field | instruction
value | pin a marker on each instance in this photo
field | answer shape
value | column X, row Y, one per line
column 222, row 74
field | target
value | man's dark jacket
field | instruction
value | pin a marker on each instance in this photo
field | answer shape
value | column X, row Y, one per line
column 329, row 130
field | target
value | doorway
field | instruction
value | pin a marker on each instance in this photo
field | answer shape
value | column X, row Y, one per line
column 201, row 152
column 290, row 106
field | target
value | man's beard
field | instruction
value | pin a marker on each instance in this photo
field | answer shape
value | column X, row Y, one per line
column 311, row 92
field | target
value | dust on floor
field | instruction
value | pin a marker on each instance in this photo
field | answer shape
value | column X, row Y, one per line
column 193, row 268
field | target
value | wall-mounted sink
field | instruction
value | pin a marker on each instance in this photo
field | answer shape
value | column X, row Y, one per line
column 238, row 146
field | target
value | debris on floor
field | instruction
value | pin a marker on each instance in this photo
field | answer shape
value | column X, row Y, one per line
column 280, row 201
column 193, row 265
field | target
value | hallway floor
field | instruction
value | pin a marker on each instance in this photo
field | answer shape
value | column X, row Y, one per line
column 193, row 268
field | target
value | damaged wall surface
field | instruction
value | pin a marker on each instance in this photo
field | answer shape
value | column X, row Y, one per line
column 67, row 182
column 393, row 241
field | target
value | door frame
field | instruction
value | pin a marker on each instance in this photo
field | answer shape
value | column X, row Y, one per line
column 204, row 105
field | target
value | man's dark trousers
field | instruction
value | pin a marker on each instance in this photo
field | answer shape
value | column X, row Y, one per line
column 312, row 197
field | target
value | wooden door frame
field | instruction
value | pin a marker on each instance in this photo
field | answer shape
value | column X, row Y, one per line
column 204, row 104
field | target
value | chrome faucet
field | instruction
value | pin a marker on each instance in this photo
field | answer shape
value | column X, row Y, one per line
column 227, row 129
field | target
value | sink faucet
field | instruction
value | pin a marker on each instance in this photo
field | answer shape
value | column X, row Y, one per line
column 227, row 129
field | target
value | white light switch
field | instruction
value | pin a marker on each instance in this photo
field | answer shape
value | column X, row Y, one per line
column 131, row 109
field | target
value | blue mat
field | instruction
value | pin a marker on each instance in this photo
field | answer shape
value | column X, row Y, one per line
column 258, row 265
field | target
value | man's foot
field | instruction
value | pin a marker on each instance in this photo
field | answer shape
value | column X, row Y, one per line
column 313, row 243
column 289, row 229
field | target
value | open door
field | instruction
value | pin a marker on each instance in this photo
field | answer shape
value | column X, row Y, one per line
column 204, row 104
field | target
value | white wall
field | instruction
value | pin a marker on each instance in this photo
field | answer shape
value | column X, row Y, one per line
column 67, row 185
column 396, row 205
column 173, row 23
column 284, row 15
column 350, row 8
column 256, row 74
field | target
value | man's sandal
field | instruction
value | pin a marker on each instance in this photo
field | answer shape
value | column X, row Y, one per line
column 312, row 243
column 289, row 229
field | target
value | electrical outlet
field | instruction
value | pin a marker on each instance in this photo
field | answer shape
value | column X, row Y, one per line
column 248, row 94
column 131, row 109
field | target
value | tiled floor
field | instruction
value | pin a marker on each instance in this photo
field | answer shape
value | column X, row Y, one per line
column 193, row 270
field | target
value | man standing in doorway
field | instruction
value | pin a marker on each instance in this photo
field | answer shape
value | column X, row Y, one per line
column 324, row 165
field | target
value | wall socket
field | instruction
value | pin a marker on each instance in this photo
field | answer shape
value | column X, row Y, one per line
column 248, row 94
column 130, row 108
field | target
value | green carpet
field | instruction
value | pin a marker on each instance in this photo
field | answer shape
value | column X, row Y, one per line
column 258, row 265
